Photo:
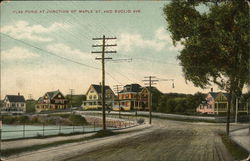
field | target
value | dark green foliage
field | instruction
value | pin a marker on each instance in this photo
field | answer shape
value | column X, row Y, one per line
column 216, row 42
column 54, row 119
column 30, row 106
column 77, row 120
column 76, row 100
column 8, row 119
column 23, row 119
column 103, row 133
column 140, row 121
column 179, row 103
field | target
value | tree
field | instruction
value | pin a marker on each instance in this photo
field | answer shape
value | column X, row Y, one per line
column 215, row 43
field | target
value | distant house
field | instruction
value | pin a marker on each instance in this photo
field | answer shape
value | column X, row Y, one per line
column 53, row 100
column 144, row 97
column 14, row 104
column 129, row 97
column 217, row 102
column 93, row 97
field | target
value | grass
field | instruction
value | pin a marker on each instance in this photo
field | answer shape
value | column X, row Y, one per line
column 99, row 134
column 236, row 151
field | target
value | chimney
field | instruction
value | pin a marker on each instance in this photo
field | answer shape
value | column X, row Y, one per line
column 18, row 94
column 212, row 89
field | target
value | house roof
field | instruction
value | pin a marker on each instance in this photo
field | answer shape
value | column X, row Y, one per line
column 52, row 94
column 98, row 88
column 215, row 94
column 154, row 90
column 15, row 98
column 132, row 88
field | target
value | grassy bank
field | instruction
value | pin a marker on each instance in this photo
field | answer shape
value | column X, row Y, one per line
column 49, row 119
column 99, row 134
column 236, row 151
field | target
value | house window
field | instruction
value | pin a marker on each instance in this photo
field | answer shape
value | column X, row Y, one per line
column 90, row 97
column 94, row 96
column 59, row 96
column 22, row 104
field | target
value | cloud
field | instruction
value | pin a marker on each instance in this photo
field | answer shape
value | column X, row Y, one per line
column 63, row 49
column 128, row 41
column 18, row 53
column 161, row 34
column 24, row 30
column 161, row 41
column 178, row 47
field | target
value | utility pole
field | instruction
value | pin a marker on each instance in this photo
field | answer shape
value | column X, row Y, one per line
column 236, row 110
column 117, row 90
column 103, row 58
column 30, row 97
column 150, row 82
column 71, row 91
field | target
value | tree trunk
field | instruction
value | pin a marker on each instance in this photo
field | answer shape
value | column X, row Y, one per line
column 230, row 100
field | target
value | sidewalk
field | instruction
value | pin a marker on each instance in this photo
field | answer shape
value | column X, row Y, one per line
column 65, row 151
column 241, row 137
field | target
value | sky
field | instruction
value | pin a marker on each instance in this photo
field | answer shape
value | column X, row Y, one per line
column 38, row 38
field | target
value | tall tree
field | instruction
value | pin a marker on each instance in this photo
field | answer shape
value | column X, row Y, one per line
column 215, row 36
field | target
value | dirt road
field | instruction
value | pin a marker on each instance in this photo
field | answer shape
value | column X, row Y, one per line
column 164, row 140
column 170, row 140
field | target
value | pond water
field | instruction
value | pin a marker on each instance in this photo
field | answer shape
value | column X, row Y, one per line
column 21, row 131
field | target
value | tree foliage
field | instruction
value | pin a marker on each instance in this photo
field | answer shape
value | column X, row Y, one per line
column 216, row 42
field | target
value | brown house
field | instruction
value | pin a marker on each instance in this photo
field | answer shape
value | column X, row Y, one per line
column 51, row 101
column 144, row 97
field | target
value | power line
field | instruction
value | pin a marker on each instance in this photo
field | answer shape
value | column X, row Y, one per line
column 50, row 53
column 66, row 59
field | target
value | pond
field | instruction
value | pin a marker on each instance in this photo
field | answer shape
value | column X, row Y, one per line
column 26, row 131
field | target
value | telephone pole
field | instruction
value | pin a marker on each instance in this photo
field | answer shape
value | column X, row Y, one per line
column 117, row 89
column 150, row 82
column 103, row 58
column 30, row 97
column 71, row 91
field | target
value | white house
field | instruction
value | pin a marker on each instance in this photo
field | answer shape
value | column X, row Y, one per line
column 14, row 104
column 93, row 97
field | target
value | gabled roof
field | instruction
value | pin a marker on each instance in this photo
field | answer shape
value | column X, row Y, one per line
column 98, row 88
column 215, row 94
column 52, row 94
column 132, row 88
column 15, row 98
column 154, row 90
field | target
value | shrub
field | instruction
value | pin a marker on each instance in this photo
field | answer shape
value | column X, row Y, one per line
column 23, row 119
column 140, row 121
column 77, row 120
column 9, row 120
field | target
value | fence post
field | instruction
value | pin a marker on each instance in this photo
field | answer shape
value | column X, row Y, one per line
column 73, row 128
column 43, row 129
column 23, row 130
column 60, row 128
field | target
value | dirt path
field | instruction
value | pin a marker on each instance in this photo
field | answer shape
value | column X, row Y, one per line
column 171, row 140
